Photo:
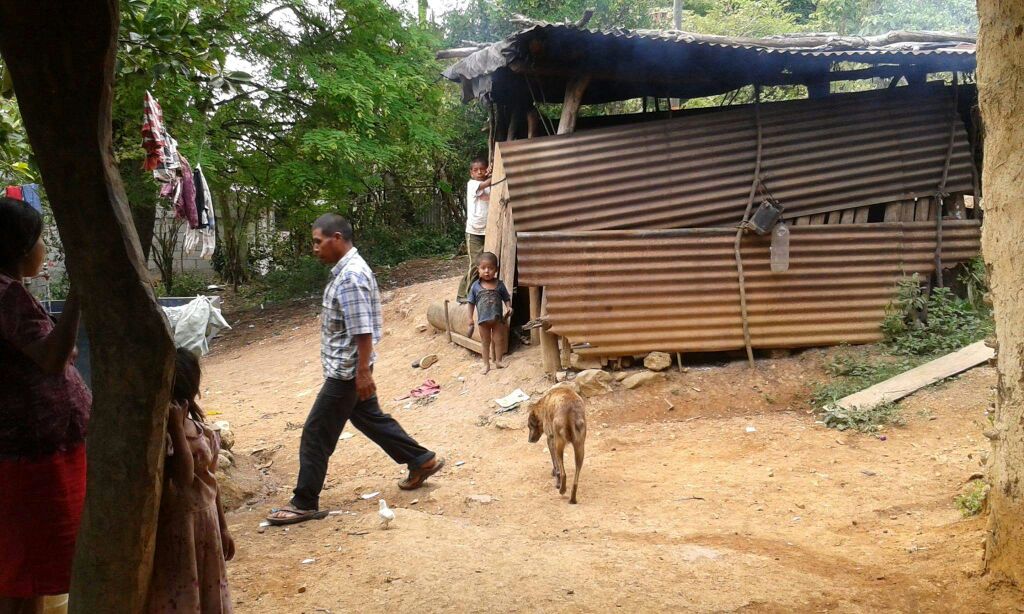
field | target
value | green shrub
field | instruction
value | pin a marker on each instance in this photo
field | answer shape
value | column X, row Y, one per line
column 303, row 278
column 60, row 289
column 974, row 278
column 855, row 371
column 863, row 420
column 189, row 284
column 919, row 325
column 972, row 500
column 385, row 247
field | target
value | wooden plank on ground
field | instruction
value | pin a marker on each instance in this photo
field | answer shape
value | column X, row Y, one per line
column 470, row 344
column 896, row 388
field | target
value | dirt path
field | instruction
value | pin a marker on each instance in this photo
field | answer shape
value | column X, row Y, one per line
column 681, row 509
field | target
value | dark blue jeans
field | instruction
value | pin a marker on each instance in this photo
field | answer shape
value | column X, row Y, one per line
column 336, row 404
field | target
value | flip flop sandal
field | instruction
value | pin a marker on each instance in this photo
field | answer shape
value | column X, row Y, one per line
column 428, row 388
column 418, row 476
column 300, row 516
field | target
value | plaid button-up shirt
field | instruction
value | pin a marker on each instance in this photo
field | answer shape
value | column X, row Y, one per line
column 351, row 307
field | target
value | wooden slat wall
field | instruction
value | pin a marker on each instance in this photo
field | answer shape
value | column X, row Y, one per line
column 914, row 210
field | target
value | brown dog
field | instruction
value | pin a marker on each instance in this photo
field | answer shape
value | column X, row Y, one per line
column 560, row 415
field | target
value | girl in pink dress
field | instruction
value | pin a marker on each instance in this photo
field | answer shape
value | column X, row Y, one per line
column 192, row 541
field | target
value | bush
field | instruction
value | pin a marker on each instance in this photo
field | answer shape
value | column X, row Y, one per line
column 919, row 325
column 917, row 328
column 972, row 501
column 856, row 371
column 303, row 278
column 189, row 284
column 863, row 420
column 385, row 247
column 60, row 289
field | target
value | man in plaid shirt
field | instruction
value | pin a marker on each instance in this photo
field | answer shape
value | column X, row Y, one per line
column 351, row 324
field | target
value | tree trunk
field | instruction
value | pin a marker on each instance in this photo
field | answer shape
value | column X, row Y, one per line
column 1001, row 94
column 61, row 58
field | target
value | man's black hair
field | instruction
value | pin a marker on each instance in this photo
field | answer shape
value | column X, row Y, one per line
column 479, row 160
column 20, row 228
column 489, row 256
column 330, row 223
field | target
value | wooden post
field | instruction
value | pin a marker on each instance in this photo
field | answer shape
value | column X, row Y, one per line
column 534, row 314
column 574, row 90
column 565, row 352
column 548, row 342
column 490, row 133
column 533, row 124
column 447, row 322
column 61, row 61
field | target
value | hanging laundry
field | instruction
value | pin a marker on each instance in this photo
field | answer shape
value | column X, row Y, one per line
column 152, row 132
column 185, row 205
column 161, row 149
column 211, row 217
column 197, row 176
column 209, row 243
column 193, row 240
column 14, row 191
column 31, row 195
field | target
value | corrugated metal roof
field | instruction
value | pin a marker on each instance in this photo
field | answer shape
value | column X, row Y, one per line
column 819, row 155
column 696, row 64
column 632, row 292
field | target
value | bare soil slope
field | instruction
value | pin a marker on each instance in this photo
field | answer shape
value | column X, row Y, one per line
column 680, row 509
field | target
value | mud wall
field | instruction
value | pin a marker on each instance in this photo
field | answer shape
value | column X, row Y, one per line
column 1001, row 94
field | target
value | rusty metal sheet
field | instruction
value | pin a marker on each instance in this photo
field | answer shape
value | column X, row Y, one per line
column 819, row 155
column 598, row 42
column 632, row 292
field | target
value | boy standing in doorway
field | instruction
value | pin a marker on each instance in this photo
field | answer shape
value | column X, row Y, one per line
column 478, row 195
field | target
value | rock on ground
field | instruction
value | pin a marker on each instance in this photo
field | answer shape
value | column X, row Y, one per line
column 658, row 361
column 594, row 382
column 641, row 378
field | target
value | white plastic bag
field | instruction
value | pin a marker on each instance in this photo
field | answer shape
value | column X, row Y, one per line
column 196, row 323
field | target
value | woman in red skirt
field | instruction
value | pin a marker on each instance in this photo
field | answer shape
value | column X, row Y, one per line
column 44, row 408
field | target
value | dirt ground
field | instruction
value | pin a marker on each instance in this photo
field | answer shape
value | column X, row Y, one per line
column 683, row 509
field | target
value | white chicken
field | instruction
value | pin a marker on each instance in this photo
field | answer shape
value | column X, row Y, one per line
column 386, row 514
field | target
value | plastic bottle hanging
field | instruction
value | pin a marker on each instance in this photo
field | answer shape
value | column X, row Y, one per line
column 780, row 248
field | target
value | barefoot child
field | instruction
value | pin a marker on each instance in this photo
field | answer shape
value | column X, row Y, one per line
column 486, row 297
column 192, row 540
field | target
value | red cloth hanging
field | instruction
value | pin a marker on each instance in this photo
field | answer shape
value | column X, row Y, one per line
column 152, row 132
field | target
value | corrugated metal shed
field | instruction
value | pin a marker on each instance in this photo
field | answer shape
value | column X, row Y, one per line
column 632, row 292
column 819, row 155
